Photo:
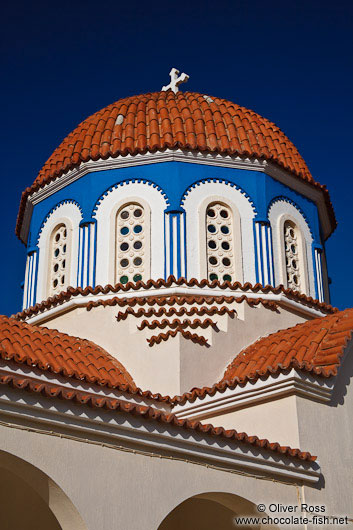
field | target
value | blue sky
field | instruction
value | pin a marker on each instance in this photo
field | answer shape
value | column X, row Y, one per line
column 290, row 62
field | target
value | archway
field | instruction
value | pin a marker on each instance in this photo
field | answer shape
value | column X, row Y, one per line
column 31, row 500
column 210, row 511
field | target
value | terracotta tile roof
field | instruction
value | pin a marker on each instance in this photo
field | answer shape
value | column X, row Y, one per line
column 71, row 292
column 55, row 391
column 56, row 352
column 156, row 121
column 316, row 346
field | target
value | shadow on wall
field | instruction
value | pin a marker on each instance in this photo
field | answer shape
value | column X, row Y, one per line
column 343, row 379
column 30, row 500
column 211, row 511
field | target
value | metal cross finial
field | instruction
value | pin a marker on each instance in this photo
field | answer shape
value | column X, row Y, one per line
column 175, row 80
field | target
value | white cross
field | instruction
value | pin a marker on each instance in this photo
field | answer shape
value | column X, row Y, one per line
column 175, row 80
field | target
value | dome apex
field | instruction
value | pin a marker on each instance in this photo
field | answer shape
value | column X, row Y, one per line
column 162, row 120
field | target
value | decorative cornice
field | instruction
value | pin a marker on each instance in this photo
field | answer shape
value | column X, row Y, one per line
column 200, row 404
column 158, row 428
column 170, row 287
column 162, row 311
column 125, row 392
column 197, row 339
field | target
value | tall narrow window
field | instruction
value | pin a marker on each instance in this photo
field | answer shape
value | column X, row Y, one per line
column 131, row 243
column 58, row 260
column 220, row 245
column 291, row 243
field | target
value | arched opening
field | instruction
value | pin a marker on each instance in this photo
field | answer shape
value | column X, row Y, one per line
column 210, row 511
column 30, row 500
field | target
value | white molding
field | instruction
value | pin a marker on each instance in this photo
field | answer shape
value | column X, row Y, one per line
column 81, row 301
column 154, row 203
column 239, row 397
column 280, row 212
column 35, row 374
column 69, row 214
column 121, row 428
column 178, row 155
column 195, row 205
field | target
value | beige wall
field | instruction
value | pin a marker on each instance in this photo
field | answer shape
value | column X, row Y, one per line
column 326, row 430
column 177, row 365
column 276, row 420
column 113, row 489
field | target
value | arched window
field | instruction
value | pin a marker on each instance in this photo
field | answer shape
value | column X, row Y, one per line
column 220, row 244
column 131, row 243
column 292, row 255
column 58, row 260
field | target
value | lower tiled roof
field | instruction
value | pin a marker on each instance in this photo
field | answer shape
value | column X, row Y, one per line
column 55, row 391
column 61, row 354
column 316, row 346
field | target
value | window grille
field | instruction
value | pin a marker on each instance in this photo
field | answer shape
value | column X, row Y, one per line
column 219, row 240
column 292, row 255
column 131, row 243
column 58, row 260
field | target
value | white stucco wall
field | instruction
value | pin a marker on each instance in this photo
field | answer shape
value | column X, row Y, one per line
column 113, row 488
column 177, row 365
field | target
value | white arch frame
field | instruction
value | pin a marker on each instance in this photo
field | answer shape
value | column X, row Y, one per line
column 195, row 205
column 154, row 202
column 241, row 506
column 281, row 211
column 57, row 500
column 69, row 214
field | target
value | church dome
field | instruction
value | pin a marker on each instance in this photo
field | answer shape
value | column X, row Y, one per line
column 164, row 120
column 155, row 122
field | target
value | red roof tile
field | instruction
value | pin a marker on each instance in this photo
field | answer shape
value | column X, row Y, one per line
column 51, row 350
column 55, row 391
column 194, row 337
column 171, row 300
column 316, row 346
column 156, row 121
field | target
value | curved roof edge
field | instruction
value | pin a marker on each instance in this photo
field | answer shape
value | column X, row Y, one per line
column 316, row 347
column 158, row 121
